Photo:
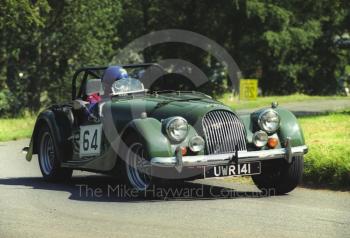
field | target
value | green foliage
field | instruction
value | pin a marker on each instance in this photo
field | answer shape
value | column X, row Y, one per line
column 288, row 45
column 9, row 104
column 46, row 40
column 296, row 46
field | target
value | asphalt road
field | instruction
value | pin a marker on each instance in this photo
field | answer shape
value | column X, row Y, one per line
column 310, row 107
column 92, row 206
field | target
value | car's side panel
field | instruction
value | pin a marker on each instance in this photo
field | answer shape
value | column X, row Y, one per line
column 103, row 163
column 148, row 129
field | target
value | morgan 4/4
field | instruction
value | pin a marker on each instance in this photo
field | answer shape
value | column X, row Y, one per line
column 114, row 125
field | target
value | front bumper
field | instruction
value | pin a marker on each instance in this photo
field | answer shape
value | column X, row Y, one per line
column 180, row 161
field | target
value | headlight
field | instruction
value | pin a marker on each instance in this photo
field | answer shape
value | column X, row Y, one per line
column 260, row 138
column 269, row 120
column 196, row 143
column 176, row 128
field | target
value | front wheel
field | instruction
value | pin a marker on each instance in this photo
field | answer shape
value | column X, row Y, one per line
column 48, row 160
column 279, row 177
column 138, row 178
column 133, row 164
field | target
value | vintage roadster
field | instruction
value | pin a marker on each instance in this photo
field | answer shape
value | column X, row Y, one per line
column 146, row 136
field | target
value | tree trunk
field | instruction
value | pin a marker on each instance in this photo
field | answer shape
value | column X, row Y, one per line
column 33, row 93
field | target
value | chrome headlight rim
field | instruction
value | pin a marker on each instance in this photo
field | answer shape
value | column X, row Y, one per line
column 260, row 143
column 192, row 146
column 168, row 128
column 261, row 121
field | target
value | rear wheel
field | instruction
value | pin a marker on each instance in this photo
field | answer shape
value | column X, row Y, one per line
column 279, row 177
column 47, row 156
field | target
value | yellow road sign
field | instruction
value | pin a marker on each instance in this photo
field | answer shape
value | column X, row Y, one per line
column 248, row 89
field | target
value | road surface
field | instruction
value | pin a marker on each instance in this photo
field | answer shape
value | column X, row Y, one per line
column 311, row 107
column 92, row 206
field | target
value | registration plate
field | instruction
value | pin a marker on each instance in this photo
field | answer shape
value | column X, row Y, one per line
column 240, row 169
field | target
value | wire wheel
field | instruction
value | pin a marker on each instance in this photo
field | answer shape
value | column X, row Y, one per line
column 135, row 167
column 47, row 153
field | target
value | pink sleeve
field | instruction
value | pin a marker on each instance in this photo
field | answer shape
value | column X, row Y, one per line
column 94, row 98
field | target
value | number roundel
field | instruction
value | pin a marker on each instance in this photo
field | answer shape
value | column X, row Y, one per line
column 90, row 140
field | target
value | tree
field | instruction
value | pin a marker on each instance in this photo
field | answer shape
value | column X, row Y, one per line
column 289, row 45
column 46, row 40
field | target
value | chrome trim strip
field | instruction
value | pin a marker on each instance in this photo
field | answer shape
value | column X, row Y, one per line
column 236, row 132
column 216, row 159
column 240, row 138
column 217, row 136
column 223, row 138
column 230, row 134
column 207, row 140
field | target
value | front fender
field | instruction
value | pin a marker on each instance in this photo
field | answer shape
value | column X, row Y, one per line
column 157, row 144
column 150, row 131
column 290, row 128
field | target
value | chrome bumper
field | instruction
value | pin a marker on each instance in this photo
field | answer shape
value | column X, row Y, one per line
column 180, row 161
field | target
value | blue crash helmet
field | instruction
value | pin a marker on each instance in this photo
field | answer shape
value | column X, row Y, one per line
column 111, row 74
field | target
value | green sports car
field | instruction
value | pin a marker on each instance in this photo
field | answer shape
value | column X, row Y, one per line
column 145, row 136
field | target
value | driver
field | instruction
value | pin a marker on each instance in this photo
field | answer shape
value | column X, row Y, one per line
column 111, row 74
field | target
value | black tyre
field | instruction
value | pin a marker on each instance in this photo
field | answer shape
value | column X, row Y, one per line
column 279, row 177
column 49, row 162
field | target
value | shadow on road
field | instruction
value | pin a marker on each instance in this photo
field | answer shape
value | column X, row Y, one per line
column 107, row 189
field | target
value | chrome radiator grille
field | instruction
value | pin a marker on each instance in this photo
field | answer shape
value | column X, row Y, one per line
column 222, row 131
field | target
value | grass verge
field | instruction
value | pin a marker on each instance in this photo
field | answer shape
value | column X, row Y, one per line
column 266, row 101
column 328, row 138
column 16, row 128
